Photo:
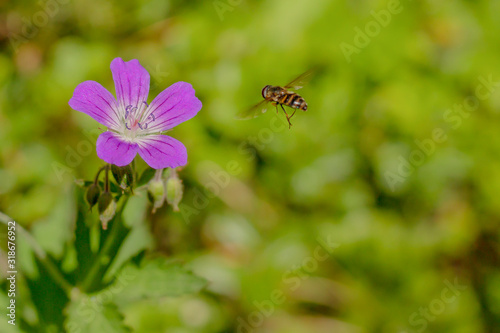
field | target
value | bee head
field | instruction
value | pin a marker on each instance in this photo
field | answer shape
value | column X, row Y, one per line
column 264, row 91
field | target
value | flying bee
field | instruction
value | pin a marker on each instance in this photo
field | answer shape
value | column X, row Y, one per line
column 277, row 95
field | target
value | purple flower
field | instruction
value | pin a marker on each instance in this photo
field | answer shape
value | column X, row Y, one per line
column 134, row 126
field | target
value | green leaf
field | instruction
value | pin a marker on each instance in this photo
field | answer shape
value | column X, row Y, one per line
column 134, row 213
column 82, row 242
column 93, row 314
column 56, row 230
column 154, row 279
column 137, row 240
column 26, row 258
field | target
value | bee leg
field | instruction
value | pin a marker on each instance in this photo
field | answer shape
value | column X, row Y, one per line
column 287, row 118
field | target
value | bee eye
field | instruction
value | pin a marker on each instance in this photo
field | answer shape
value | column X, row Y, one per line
column 264, row 91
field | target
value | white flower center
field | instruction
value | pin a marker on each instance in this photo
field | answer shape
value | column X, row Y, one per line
column 136, row 120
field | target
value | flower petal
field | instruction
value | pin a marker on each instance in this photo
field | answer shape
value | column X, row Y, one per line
column 113, row 149
column 131, row 82
column 173, row 106
column 93, row 99
column 162, row 151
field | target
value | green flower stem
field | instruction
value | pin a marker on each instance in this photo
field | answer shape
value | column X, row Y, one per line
column 106, row 177
column 111, row 245
column 158, row 174
column 52, row 269
column 98, row 173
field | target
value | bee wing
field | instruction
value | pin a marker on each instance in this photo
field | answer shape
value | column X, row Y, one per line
column 301, row 80
column 254, row 111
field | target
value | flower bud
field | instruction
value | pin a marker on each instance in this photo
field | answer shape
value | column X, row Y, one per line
column 92, row 195
column 117, row 173
column 175, row 190
column 107, row 208
column 156, row 191
column 128, row 177
column 124, row 176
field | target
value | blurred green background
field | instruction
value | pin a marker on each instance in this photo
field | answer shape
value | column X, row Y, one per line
column 261, row 201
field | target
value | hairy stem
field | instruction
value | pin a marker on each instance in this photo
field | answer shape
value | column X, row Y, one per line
column 98, row 174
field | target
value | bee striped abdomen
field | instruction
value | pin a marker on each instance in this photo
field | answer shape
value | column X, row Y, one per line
column 283, row 99
column 292, row 100
column 297, row 102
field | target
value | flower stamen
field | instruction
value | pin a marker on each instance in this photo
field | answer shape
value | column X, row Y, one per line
column 134, row 120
